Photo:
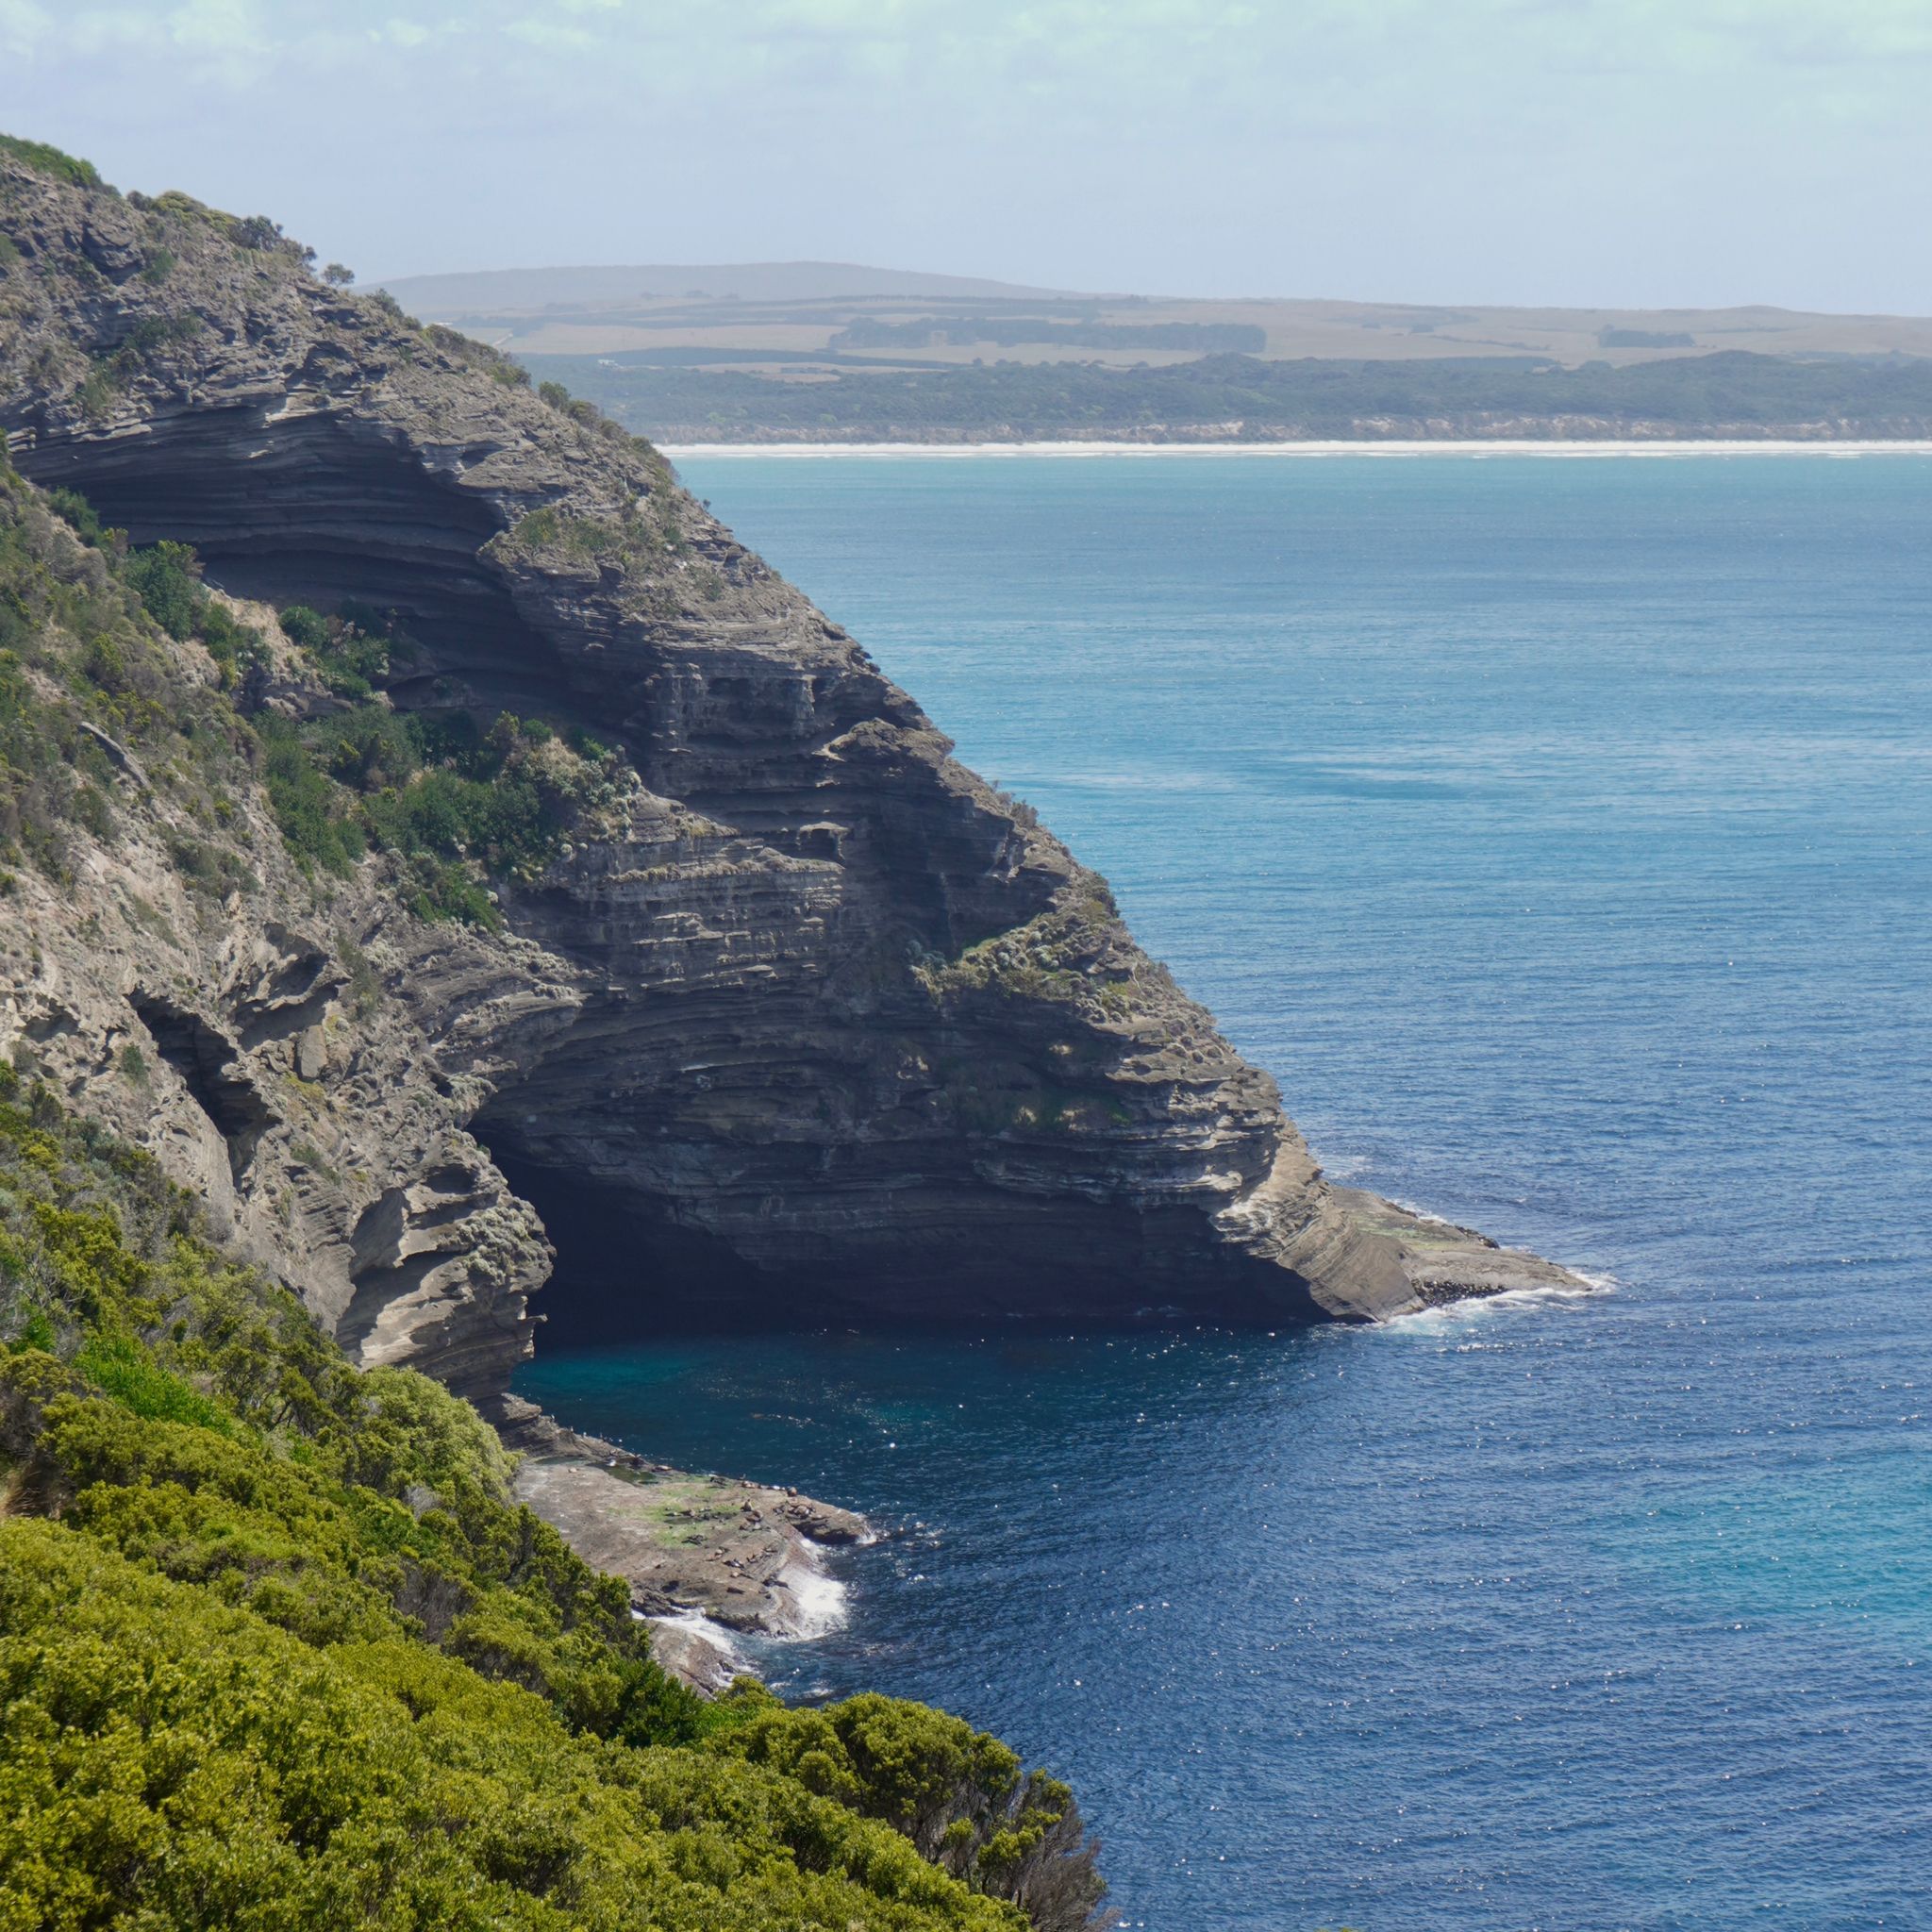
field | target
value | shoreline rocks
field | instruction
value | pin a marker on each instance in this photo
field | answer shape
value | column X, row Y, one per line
column 744, row 1556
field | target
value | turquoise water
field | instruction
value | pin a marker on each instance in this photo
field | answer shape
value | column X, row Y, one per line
column 1560, row 833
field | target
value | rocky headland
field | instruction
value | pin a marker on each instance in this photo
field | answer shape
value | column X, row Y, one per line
column 797, row 1019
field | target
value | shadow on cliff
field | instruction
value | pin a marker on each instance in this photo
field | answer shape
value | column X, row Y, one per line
column 625, row 1271
column 626, row 1276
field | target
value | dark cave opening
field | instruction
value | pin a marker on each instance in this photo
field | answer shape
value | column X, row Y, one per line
column 624, row 1272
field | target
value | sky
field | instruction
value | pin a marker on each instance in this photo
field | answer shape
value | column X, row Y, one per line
column 1638, row 153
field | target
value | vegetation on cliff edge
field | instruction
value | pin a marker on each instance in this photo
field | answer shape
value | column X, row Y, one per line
column 279, row 1649
column 94, row 699
column 91, row 694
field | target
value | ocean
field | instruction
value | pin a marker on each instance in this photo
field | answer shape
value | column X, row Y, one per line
column 1559, row 834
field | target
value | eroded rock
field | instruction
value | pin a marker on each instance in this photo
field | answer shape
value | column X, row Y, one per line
column 814, row 1025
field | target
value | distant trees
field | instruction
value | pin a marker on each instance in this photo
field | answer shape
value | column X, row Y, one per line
column 337, row 277
column 1229, row 398
column 257, row 231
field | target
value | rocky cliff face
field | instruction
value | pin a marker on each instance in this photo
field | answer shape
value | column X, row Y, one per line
column 815, row 1022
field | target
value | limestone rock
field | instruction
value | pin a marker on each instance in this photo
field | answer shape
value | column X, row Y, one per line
column 817, row 1024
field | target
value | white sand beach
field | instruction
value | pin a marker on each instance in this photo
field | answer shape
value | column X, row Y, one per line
column 1713, row 447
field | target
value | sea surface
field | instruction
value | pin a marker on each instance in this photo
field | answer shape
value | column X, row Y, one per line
column 1559, row 834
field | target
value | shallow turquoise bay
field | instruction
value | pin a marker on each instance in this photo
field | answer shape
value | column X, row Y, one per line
column 1559, row 834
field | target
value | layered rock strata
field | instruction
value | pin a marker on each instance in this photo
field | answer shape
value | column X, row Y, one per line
column 818, row 1024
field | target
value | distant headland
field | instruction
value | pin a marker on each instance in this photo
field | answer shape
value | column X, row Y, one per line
column 831, row 353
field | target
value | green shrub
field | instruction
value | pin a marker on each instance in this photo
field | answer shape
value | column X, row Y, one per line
column 167, row 579
column 45, row 160
column 77, row 647
column 210, row 869
column 72, row 506
column 294, row 1657
column 167, row 1760
column 453, row 805
column 99, row 389
column 91, row 808
column 353, row 652
column 308, row 809
column 959, row 1795
column 121, row 1367
column 160, row 331
column 236, row 647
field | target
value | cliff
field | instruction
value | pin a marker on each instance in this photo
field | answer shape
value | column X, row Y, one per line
column 801, row 1021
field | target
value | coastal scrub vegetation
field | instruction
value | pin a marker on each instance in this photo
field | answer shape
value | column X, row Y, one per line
column 90, row 701
column 278, row 1647
column 353, row 652
column 1054, row 956
column 44, row 158
column 86, row 683
column 455, row 803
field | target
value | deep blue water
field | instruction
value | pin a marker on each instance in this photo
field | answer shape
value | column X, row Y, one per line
column 1560, row 833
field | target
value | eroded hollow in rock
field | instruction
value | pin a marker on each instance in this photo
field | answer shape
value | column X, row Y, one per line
column 316, row 510
column 204, row 1060
column 625, row 1272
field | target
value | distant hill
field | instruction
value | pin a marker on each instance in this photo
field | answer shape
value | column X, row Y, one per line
column 817, row 350
column 440, row 297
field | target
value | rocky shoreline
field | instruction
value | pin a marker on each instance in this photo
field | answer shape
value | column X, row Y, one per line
column 707, row 1558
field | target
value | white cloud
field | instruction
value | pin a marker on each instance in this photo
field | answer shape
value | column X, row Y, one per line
column 1187, row 137
column 22, row 27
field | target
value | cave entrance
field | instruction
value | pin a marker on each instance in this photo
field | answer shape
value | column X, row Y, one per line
column 625, row 1271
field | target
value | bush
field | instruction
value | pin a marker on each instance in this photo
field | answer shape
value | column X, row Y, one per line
column 352, row 652
column 166, row 1759
column 292, row 1656
column 167, row 579
column 78, row 649
column 256, row 231
column 455, row 806
column 236, row 648
column 78, row 512
column 958, row 1794
column 306, row 807
column 44, row 159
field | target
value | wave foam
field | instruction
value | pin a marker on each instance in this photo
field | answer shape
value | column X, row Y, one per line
column 1541, row 1299
column 818, row 1600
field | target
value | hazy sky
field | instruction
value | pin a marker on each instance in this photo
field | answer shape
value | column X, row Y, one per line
column 1641, row 152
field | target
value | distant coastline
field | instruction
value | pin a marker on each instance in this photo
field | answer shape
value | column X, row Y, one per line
column 1445, row 446
column 1242, row 401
